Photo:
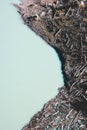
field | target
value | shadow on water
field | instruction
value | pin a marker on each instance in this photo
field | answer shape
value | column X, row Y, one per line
column 62, row 59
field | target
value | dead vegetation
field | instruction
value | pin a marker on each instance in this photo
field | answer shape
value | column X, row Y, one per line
column 63, row 24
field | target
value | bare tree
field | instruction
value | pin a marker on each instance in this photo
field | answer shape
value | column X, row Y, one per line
column 63, row 25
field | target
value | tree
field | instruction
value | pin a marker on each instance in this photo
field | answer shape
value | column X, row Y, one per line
column 63, row 25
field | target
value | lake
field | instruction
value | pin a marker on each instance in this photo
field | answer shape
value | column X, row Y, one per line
column 30, row 70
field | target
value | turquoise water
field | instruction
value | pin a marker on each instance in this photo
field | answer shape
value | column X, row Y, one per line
column 30, row 71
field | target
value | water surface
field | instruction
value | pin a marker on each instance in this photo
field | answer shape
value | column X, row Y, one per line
column 30, row 71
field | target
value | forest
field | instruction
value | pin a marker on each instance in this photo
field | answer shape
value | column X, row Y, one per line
column 63, row 25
